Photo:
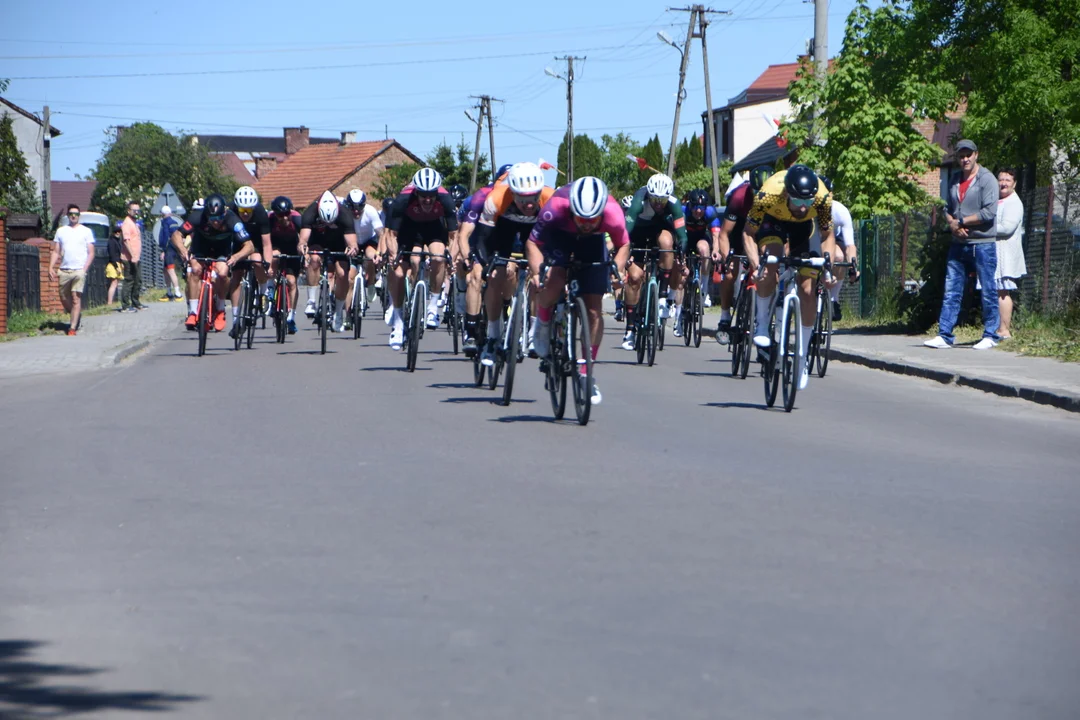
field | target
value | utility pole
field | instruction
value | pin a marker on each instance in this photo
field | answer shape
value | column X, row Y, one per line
column 821, row 38
column 476, row 146
column 484, row 109
column 702, row 24
column 491, row 136
column 569, row 79
column 682, row 81
column 46, row 169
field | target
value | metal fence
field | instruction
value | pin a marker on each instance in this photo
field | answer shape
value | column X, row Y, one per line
column 24, row 277
column 900, row 253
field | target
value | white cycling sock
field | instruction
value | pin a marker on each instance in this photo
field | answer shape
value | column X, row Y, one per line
column 395, row 318
column 807, row 332
column 834, row 292
column 764, row 305
column 235, row 311
column 291, row 316
column 313, row 295
column 193, row 306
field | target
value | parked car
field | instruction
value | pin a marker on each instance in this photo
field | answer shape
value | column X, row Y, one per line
column 97, row 222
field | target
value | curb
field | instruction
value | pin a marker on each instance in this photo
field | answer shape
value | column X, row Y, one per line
column 1061, row 400
column 125, row 352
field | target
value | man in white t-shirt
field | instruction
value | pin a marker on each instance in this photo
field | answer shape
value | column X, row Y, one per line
column 73, row 254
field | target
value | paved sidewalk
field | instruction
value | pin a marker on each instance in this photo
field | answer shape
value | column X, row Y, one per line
column 1040, row 380
column 103, row 340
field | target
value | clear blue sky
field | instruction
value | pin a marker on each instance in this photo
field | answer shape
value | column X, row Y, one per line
column 257, row 67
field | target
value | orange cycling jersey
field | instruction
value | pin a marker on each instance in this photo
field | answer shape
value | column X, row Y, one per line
column 500, row 204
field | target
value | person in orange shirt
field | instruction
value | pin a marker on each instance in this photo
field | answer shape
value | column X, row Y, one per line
column 131, row 253
column 510, row 213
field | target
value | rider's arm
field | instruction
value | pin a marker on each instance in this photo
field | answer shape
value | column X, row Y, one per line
column 305, row 235
column 350, row 242
column 636, row 206
column 267, row 248
column 177, row 240
column 723, row 236
column 678, row 222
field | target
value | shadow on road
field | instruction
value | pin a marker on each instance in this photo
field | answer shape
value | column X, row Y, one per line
column 705, row 374
column 399, row 368
column 452, row 386
column 30, row 689
column 306, row 352
column 474, row 399
column 748, row 406
column 524, row 418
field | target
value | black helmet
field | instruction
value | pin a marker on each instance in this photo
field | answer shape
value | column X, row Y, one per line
column 759, row 175
column 826, row 182
column 459, row 192
column 281, row 205
column 697, row 198
column 214, row 208
column 800, row 182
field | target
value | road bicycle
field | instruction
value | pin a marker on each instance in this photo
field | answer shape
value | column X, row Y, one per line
column 282, row 301
column 416, row 301
column 324, row 310
column 782, row 360
column 203, row 312
column 513, row 346
column 693, row 312
column 452, row 318
column 647, row 323
column 359, row 304
column 821, row 341
column 249, row 306
column 740, row 327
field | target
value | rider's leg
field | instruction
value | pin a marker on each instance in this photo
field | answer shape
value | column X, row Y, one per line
column 766, row 286
column 314, row 272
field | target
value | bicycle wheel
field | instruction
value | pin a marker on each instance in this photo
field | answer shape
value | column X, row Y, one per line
column 824, row 340
column 281, row 313
column 790, row 352
column 415, row 321
column 770, row 370
column 493, row 372
column 556, row 377
column 356, row 312
column 240, row 317
column 686, row 317
column 513, row 350
column 322, row 313
column 255, row 300
column 641, row 319
column 453, row 324
column 203, row 320
column 580, row 345
column 652, row 332
column 740, row 340
column 661, row 334
column 699, row 318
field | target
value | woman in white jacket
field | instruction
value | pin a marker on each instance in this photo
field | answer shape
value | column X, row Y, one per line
column 1010, row 247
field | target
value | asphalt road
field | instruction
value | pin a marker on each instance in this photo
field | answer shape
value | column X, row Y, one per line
column 275, row 534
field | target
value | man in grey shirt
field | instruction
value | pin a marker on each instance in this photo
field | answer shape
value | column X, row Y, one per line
column 972, row 218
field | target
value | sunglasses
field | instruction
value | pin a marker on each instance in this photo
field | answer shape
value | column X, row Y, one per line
column 73, row 214
column 801, row 202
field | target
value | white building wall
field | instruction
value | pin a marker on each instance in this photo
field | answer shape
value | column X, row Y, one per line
column 750, row 127
column 29, row 138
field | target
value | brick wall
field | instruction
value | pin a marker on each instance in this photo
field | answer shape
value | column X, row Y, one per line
column 3, row 275
column 50, row 289
column 368, row 177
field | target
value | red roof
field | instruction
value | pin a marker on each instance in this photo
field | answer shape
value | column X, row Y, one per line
column 771, row 84
column 307, row 173
column 234, row 166
column 65, row 192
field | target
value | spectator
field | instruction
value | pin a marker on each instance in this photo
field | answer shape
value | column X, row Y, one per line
column 1010, row 248
column 73, row 253
column 114, row 270
column 169, row 255
column 132, row 253
column 972, row 218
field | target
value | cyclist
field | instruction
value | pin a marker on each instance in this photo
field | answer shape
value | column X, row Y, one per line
column 655, row 218
column 572, row 224
column 257, row 223
column 216, row 232
column 703, row 243
column 369, row 231
column 844, row 230
column 730, row 238
column 326, row 226
column 508, row 217
column 468, row 271
column 785, row 212
column 284, row 240
column 423, row 215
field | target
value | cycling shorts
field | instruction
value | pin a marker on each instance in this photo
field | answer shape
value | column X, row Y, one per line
column 645, row 236
column 796, row 234
column 506, row 239
column 413, row 234
column 562, row 247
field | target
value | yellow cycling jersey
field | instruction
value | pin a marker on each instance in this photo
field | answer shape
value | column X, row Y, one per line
column 772, row 201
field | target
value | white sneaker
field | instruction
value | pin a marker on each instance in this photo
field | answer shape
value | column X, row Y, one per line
column 761, row 337
column 628, row 340
column 707, row 301
column 309, row 309
column 388, row 315
column 939, row 343
column 397, row 335
column 541, row 339
column 432, row 319
column 442, row 300
column 664, row 312
column 369, row 291
column 804, row 376
column 984, row 344
column 597, row 398
column 339, row 325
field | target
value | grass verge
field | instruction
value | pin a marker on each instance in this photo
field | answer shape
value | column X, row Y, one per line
column 34, row 323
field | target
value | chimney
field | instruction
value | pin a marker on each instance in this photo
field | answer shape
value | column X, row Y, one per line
column 264, row 164
column 348, row 137
column 296, row 139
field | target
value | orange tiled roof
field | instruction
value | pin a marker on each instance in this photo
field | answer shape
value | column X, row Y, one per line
column 305, row 174
column 232, row 165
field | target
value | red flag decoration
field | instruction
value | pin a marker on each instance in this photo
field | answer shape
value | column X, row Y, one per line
column 545, row 165
column 781, row 137
column 642, row 163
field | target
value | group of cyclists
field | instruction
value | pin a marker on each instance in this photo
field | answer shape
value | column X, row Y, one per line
column 534, row 228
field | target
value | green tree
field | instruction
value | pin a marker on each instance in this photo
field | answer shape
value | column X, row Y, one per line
column 689, row 156
column 18, row 190
column 455, row 164
column 617, row 170
column 393, row 178
column 140, row 159
column 653, row 153
column 701, row 177
column 857, row 124
column 588, row 158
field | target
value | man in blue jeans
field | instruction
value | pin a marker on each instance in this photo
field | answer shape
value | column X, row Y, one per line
column 972, row 219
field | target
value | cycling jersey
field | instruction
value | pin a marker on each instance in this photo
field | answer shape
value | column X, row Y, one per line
column 367, row 225
column 500, row 205
column 329, row 237
column 257, row 225
column 700, row 229
column 208, row 242
column 407, row 208
column 648, row 222
column 738, row 207
column 772, row 201
column 285, row 236
column 843, row 228
column 475, row 205
column 503, row 228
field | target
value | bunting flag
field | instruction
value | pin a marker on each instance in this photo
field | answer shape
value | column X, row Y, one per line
column 781, row 137
column 642, row 163
column 545, row 165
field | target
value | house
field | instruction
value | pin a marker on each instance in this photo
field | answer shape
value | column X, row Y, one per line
column 249, row 157
column 29, row 137
column 306, row 173
column 65, row 192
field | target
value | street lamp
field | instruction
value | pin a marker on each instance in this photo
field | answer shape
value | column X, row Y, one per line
column 552, row 73
column 665, row 38
column 679, row 97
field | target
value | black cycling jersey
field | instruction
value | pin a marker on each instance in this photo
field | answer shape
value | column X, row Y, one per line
column 208, row 242
column 406, row 207
column 257, row 226
column 329, row 237
column 285, row 236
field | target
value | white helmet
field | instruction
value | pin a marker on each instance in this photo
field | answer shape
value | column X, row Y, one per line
column 427, row 180
column 660, row 185
column 198, row 204
column 356, row 197
column 588, row 197
column 525, row 178
column 627, row 201
column 328, row 207
column 246, row 198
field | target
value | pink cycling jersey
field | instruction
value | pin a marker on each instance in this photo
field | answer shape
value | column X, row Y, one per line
column 556, row 217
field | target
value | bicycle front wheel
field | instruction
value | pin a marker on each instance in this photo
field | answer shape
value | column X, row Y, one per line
column 556, row 378
column 416, row 319
column 255, row 300
column 517, row 323
column 824, row 337
column 581, row 357
column 699, row 318
column 240, row 318
column 206, row 296
column 323, row 314
column 770, row 369
column 357, row 309
column 652, row 332
column 791, row 355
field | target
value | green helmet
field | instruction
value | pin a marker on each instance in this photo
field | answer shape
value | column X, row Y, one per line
column 759, row 175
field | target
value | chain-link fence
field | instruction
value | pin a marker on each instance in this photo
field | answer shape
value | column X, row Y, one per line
column 903, row 257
